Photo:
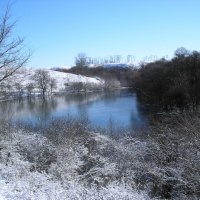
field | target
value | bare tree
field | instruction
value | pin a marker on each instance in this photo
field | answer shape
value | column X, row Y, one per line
column 30, row 88
column 19, row 88
column 81, row 60
column 52, row 84
column 12, row 53
column 42, row 80
column 181, row 52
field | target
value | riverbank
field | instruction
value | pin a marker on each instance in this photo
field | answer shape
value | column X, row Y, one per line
column 11, row 97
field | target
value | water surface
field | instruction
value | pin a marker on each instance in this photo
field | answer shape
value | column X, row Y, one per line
column 119, row 108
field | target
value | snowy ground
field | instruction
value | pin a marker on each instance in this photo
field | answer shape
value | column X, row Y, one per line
column 36, row 167
column 25, row 76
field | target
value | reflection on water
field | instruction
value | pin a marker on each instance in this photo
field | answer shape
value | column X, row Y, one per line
column 121, row 107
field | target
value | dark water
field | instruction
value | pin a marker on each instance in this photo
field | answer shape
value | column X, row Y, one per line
column 121, row 108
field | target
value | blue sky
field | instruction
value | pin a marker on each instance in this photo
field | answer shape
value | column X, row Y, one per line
column 57, row 30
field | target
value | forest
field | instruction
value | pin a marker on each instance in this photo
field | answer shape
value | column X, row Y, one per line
column 171, row 84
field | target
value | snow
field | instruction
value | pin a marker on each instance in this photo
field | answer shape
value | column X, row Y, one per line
column 25, row 76
column 18, row 180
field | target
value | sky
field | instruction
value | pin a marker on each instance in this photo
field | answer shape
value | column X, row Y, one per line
column 57, row 30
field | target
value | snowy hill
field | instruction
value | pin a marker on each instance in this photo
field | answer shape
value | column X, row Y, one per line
column 24, row 77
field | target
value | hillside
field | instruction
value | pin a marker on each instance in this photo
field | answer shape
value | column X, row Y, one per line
column 25, row 76
column 122, row 74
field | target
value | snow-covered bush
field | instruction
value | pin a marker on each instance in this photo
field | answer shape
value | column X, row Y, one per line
column 67, row 162
column 173, row 158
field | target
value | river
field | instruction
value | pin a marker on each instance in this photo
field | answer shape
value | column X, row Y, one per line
column 119, row 108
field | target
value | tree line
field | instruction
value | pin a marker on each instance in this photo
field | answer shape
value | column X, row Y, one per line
column 112, row 74
column 170, row 84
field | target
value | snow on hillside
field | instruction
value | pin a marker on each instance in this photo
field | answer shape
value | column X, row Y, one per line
column 25, row 77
